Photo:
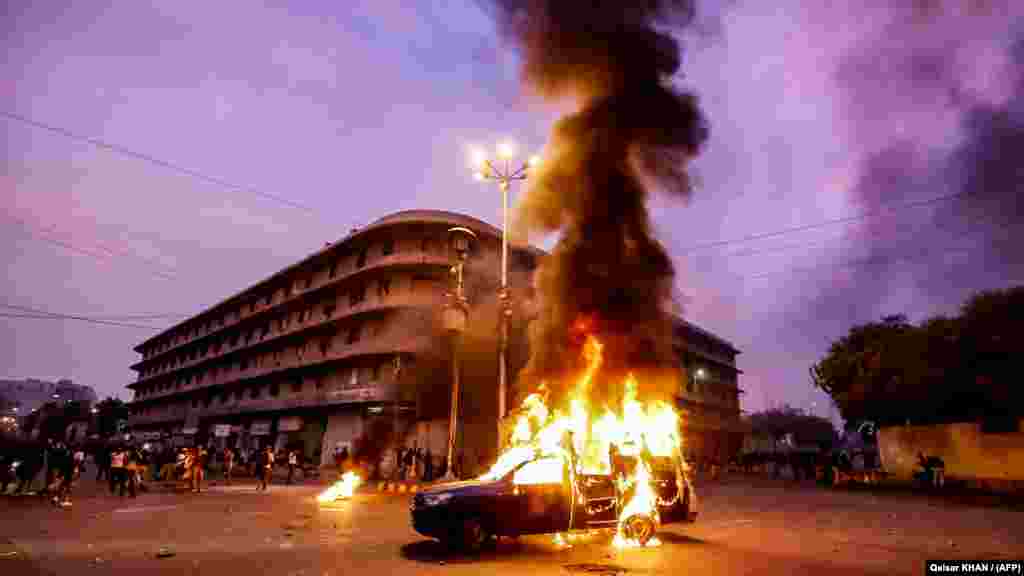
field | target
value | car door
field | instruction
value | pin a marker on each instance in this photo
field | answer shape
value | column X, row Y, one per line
column 598, row 504
column 541, row 489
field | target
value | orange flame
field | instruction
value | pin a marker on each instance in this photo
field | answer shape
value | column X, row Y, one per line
column 341, row 489
column 587, row 434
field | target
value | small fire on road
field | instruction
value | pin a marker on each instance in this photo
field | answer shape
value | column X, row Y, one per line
column 342, row 489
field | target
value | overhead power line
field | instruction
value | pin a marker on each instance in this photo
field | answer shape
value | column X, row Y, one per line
column 926, row 251
column 156, row 161
column 34, row 314
column 114, row 318
column 805, row 227
column 104, row 253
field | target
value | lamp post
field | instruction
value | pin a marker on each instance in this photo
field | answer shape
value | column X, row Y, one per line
column 505, row 170
column 462, row 241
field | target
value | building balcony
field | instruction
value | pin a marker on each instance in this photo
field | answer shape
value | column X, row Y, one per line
column 261, row 313
column 385, row 390
column 341, row 314
column 392, row 344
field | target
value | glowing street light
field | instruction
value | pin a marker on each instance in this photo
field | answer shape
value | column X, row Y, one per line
column 504, row 171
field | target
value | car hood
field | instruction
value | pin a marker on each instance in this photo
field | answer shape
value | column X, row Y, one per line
column 465, row 487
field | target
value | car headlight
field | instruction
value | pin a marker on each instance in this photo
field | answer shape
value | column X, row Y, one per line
column 435, row 499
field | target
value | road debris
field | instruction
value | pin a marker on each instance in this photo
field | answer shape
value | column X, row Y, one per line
column 165, row 552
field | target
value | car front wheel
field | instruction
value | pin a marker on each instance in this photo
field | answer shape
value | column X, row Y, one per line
column 469, row 535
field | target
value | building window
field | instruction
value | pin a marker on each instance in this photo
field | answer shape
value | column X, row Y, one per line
column 375, row 373
column 297, row 385
column 195, row 402
column 325, row 346
column 427, row 245
column 384, row 288
column 333, row 270
column 244, row 364
column 307, row 282
column 353, row 334
column 329, row 309
column 266, row 331
column 361, row 259
column 238, row 394
column 254, row 392
column 318, row 382
column 388, row 248
column 275, row 389
column 234, row 340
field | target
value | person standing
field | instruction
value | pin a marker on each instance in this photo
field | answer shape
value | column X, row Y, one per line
column 198, row 467
column 428, row 466
column 266, row 465
column 229, row 463
column 398, row 463
column 102, row 459
column 117, row 469
column 79, row 462
column 407, row 462
column 293, row 461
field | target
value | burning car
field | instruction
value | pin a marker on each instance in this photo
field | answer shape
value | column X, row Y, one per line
column 532, row 492
column 569, row 468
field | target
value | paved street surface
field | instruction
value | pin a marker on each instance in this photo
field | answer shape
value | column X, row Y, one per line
column 747, row 526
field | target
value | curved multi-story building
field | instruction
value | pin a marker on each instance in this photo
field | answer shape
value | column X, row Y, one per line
column 315, row 353
column 347, row 344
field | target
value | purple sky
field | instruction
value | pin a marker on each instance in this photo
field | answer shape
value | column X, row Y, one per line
column 361, row 108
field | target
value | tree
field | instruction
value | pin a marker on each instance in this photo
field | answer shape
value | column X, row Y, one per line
column 108, row 413
column 943, row 370
column 805, row 428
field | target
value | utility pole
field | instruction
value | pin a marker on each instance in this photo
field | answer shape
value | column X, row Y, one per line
column 503, row 171
column 455, row 317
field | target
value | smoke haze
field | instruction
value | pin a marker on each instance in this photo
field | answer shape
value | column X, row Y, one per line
column 633, row 131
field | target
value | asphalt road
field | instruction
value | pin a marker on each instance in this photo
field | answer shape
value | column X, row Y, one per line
column 745, row 527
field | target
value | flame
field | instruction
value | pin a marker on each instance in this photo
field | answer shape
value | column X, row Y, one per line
column 341, row 489
column 588, row 435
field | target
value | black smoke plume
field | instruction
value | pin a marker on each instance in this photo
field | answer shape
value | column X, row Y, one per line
column 633, row 132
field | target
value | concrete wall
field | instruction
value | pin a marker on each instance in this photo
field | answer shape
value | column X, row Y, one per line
column 967, row 452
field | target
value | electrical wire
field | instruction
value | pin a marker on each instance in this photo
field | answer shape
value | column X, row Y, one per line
column 824, row 223
column 106, row 254
column 156, row 161
column 102, row 317
column 874, row 260
column 74, row 318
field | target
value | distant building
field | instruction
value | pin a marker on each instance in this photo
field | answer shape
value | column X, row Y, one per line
column 30, row 394
column 709, row 399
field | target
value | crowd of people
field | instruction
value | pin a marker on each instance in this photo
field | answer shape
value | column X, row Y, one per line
column 52, row 468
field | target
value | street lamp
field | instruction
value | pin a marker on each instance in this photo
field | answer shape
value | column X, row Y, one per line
column 504, row 171
column 462, row 242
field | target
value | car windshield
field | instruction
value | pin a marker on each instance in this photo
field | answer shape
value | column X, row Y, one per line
column 508, row 462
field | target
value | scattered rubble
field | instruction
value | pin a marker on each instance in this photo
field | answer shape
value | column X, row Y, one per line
column 166, row 552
